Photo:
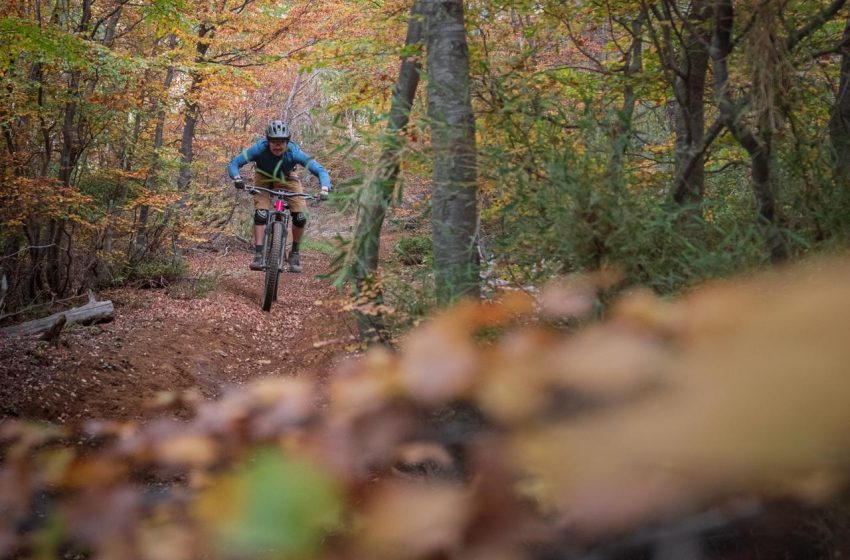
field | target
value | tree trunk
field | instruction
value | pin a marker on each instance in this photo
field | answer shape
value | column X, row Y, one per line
column 116, row 202
column 689, row 183
column 192, row 111
column 68, row 157
column 758, row 147
column 140, row 244
column 69, row 152
column 377, row 193
column 111, row 24
column 191, row 114
column 190, row 122
column 73, row 126
column 290, row 99
column 621, row 131
column 454, row 206
column 757, row 141
column 839, row 122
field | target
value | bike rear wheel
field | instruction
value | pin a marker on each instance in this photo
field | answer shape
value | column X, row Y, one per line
column 273, row 263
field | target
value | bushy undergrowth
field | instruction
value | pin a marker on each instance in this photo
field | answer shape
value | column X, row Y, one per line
column 318, row 245
column 571, row 218
column 160, row 271
column 195, row 288
column 414, row 249
column 410, row 294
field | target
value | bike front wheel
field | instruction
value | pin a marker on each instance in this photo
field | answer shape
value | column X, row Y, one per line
column 273, row 263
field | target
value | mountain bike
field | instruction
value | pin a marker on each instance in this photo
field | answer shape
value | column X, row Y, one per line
column 274, row 241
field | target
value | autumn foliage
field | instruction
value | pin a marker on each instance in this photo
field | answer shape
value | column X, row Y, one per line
column 497, row 429
column 660, row 143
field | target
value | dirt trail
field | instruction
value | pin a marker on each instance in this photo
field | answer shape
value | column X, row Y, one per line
column 164, row 340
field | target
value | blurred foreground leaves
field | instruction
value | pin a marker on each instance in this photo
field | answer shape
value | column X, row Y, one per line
column 272, row 504
column 496, row 428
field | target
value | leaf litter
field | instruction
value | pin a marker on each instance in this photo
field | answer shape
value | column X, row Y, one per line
column 456, row 446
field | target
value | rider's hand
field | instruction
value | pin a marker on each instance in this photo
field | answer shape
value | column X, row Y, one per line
column 239, row 183
column 323, row 195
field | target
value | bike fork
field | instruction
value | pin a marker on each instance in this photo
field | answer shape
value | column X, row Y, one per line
column 284, row 222
column 266, row 243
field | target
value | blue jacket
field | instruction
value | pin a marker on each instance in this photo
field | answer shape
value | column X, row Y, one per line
column 277, row 167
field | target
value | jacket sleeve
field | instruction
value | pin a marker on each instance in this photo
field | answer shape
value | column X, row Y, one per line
column 244, row 157
column 312, row 166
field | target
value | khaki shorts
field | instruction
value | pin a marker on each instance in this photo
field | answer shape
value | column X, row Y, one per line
column 262, row 199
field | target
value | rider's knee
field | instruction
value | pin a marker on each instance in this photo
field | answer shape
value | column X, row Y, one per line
column 299, row 219
column 261, row 216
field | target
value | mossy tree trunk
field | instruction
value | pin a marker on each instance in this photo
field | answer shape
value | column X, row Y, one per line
column 377, row 193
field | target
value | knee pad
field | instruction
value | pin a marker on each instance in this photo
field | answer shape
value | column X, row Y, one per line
column 261, row 216
column 299, row 219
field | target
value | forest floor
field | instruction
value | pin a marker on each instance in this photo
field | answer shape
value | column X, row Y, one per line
column 173, row 340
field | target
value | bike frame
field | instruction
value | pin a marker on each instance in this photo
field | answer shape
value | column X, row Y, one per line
column 279, row 214
column 278, row 220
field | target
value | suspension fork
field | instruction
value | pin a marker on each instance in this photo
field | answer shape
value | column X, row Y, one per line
column 281, row 211
column 284, row 221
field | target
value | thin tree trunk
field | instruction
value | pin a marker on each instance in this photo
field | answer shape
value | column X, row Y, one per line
column 191, row 114
column 116, row 203
column 621, row 133
column 140, row 244
column 69, row 152
column 689, row 183
column 376, row 194
column 757, row 147
column 111, row 24
column 290, row 99
column 59, row 261
column 68, row 157
column 454, row 205
column 839, row 122
column 190, row 122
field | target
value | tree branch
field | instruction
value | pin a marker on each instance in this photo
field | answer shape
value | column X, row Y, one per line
column 815, row 24
column 679, row 184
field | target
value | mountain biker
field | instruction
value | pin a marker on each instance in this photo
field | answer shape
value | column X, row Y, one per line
column 275, row 158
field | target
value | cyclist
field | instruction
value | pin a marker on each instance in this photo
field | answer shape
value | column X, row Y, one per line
column 275, row 158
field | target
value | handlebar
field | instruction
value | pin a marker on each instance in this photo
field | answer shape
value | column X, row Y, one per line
column 252, row 190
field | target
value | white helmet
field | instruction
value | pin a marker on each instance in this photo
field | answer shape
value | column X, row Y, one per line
column 277, row 130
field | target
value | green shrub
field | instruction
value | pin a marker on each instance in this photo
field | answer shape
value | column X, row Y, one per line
column 194, row 288
column 415, row 249
column 574, row 219
column 318, row 245
column 411, row 295
column 157, row 273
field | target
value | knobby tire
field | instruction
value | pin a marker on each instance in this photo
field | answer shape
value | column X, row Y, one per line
column 285, row 227
column 273, row 262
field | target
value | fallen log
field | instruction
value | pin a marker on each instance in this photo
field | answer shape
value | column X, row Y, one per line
column 51, row 335
column 92, row 312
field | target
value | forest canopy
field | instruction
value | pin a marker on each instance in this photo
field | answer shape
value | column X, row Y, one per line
column 680, row 140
